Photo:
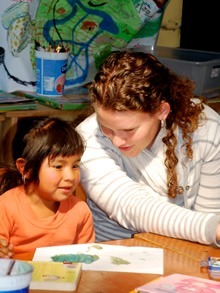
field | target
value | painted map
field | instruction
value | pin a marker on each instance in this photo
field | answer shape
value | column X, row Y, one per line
column 90, row 30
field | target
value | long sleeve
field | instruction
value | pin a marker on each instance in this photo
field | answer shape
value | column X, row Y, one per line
column 113, row 184
column 20, row 226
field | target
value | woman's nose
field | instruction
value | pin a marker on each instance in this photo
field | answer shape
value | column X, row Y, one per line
column 118, row 140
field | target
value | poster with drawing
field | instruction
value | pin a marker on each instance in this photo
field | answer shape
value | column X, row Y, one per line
column 89, row 30
column 16, row 41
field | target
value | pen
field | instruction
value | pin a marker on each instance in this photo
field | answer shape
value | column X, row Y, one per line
column 10, row 267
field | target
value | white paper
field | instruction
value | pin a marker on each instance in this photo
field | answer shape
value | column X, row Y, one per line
column 116, row 258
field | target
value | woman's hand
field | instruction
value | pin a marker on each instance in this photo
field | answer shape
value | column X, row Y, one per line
column 6, row 249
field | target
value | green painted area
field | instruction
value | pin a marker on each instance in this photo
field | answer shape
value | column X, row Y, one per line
column 83, row 258
column 119, row 261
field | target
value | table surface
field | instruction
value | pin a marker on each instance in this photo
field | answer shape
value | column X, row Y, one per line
column 180, row 256
column 44, row 110
column 41, row 110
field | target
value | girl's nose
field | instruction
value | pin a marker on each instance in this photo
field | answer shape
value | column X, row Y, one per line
column 72, row 174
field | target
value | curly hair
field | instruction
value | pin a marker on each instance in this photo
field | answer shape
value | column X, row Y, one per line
column 138, row 81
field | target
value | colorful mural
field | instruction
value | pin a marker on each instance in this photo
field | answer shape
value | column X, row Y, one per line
column 89, row 30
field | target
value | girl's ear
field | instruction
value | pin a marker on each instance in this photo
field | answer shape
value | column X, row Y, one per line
column 20, row 163
column 164, row 110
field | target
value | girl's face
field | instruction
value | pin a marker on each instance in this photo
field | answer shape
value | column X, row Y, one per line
column 58, row 178
column 130, row 131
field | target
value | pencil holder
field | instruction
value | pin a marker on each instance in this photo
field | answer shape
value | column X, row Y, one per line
column 15, row 276
column 51, row 70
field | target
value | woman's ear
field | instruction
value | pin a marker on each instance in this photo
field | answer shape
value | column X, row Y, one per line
column 164, row 110
column 20, row 163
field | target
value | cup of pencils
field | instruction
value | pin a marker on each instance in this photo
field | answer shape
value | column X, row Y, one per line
column 51, row 67
column 15, row 276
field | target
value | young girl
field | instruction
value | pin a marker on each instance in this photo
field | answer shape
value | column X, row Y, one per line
column 42, row 210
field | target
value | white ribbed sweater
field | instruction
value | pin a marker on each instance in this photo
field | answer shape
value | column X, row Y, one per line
column 133, row 193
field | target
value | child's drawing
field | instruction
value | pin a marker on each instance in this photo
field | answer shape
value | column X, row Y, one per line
column 103, row 257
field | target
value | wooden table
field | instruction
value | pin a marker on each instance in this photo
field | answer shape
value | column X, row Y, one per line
column 192, row 250
column 179, row 257
column 10, row 123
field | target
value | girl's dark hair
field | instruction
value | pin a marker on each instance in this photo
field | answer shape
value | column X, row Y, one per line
column 51, row 137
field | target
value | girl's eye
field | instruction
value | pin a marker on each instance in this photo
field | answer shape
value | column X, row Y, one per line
column 57, row 166
column 76, row 166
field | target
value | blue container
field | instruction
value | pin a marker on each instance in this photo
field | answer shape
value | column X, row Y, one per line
column 15, row 276
column 51, row 73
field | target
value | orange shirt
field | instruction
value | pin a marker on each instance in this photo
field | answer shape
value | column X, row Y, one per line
column 19, row 225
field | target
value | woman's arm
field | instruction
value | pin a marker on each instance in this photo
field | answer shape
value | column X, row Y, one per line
column 207, row 153
column 135, row 206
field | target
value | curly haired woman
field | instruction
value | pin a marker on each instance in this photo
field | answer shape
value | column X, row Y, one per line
column 152, row 161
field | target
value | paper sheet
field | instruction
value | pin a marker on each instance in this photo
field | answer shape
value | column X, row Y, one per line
column 103, row 257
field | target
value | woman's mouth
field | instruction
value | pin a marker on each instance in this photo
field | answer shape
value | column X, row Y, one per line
column 125, row 149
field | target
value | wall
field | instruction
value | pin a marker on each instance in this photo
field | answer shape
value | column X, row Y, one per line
column 170, row 31
column 200, row 26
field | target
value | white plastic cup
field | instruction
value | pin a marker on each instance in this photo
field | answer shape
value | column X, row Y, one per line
column 51, row 73
column 17, row 279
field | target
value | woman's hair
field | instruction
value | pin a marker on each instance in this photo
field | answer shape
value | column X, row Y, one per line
column 138, row 81
column 51, row 137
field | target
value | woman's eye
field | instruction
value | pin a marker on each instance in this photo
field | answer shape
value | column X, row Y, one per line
column 129, row 130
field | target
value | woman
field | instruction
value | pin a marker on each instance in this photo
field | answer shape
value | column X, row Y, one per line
column 152, row 161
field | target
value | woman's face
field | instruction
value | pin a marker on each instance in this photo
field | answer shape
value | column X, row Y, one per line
column 130, row 131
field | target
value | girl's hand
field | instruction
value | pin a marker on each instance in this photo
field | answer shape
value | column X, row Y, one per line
column 6, row 249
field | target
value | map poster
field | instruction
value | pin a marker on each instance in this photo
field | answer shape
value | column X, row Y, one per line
column 89, row 30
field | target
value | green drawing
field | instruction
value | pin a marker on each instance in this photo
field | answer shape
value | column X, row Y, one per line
column 96, row 246
column 85, row 258
column 119, row 261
